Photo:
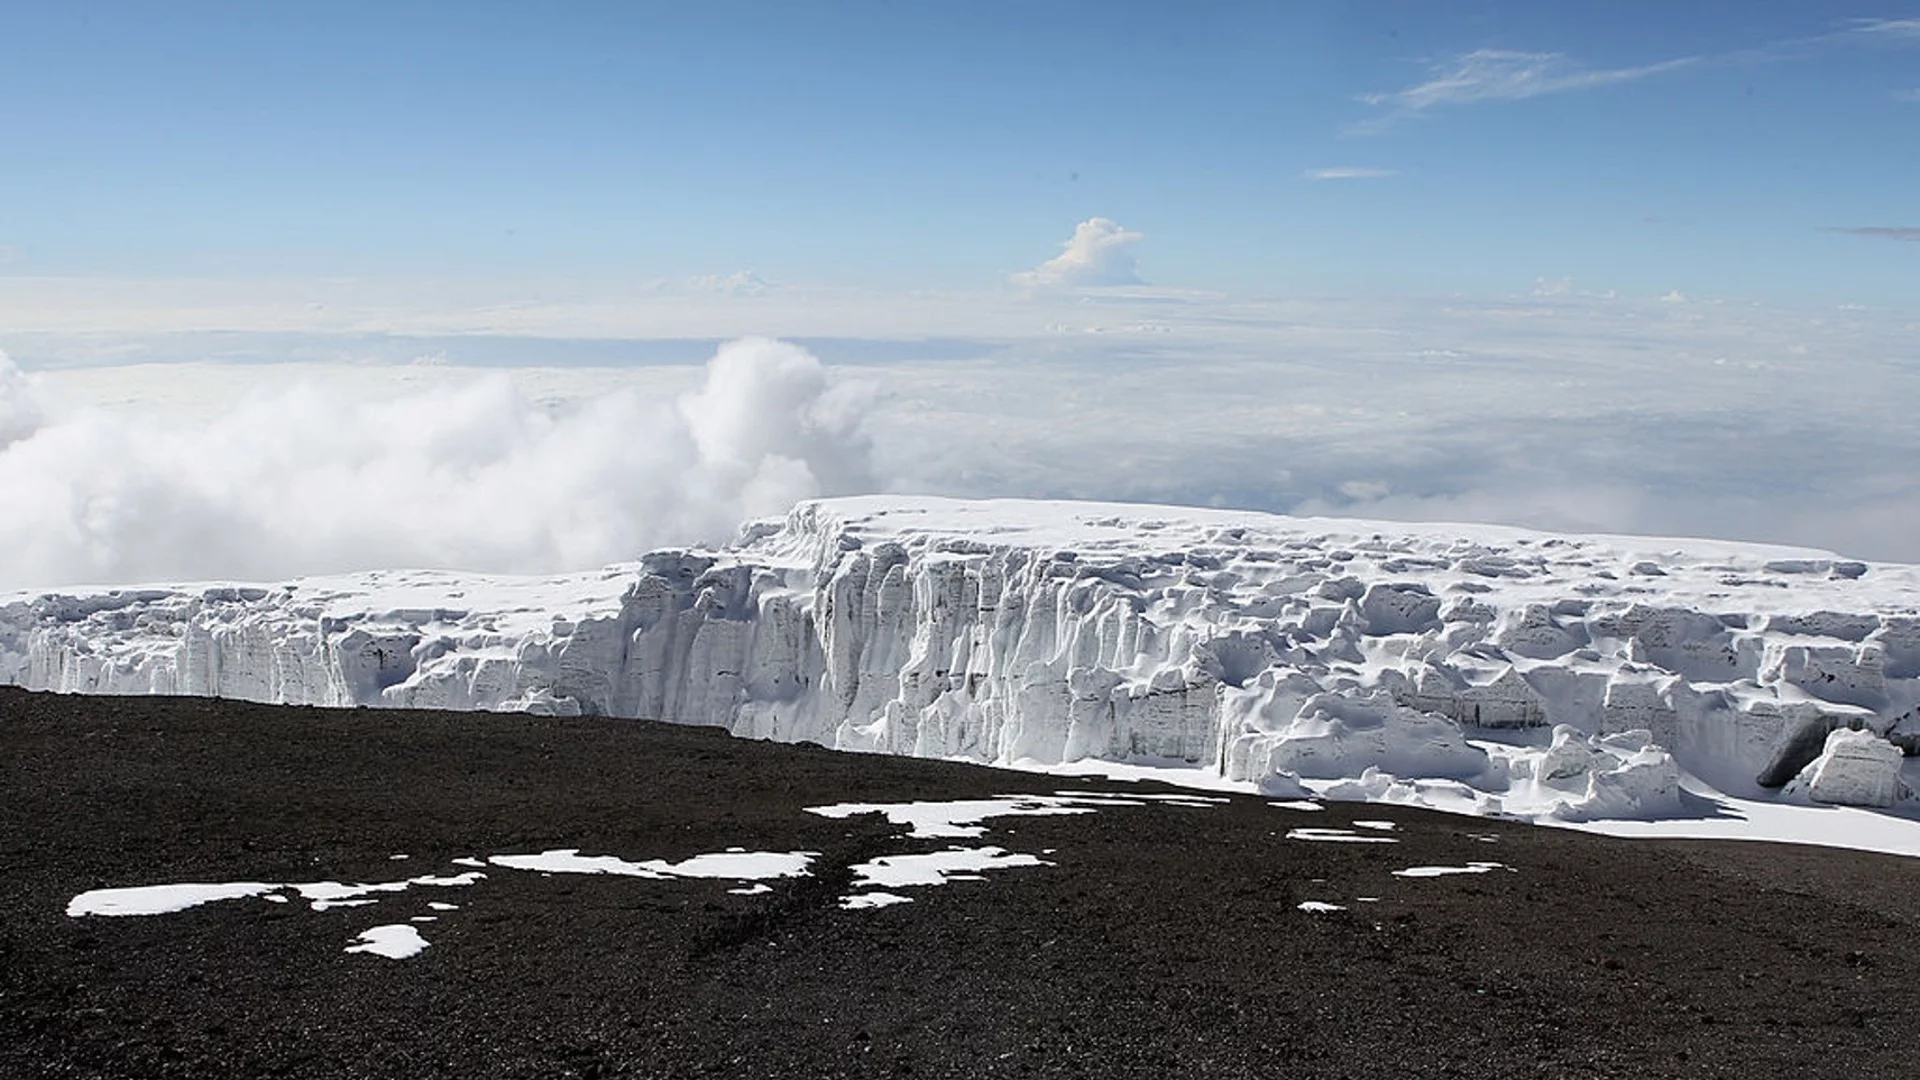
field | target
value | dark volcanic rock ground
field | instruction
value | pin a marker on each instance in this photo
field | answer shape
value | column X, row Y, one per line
column 1164, row 941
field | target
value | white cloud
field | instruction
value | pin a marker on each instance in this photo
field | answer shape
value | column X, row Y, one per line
column 1888, row 28
column 1098, row 253
column 1349, row 172
column 1502, row 75
column 1573, row 410
column 468, row 473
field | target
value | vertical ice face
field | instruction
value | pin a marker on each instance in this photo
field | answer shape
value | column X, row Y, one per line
column 1050, row 632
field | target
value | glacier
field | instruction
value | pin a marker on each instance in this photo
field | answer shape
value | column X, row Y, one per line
column 1495, row 670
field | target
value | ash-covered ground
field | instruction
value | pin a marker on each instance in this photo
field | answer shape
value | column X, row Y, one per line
column 1161, row 939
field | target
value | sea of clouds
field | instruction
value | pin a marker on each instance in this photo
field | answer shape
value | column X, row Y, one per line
column 557, row 435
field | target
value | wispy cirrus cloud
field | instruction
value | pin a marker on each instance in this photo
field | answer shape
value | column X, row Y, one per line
column 1909, row 233
column 1886, row 28
column 1500, row 75
column 1349, row 172
column 1908, row 95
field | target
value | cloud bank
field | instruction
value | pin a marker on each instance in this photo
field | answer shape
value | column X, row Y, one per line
column 1098, row 253
column 1563, row 410
column 474, row 476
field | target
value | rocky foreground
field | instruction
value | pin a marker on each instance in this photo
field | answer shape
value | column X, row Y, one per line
column 1154, row 940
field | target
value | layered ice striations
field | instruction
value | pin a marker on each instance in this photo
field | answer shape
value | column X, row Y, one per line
column 1256, row 646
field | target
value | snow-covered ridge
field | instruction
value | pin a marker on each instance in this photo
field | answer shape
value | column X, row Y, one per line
column 1473, row 666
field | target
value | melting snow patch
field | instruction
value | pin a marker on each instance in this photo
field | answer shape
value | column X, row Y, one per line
column 735, row 865
column 395, row 942
column 741, row 865
column 1338, row 836
column 321, row 895
column 1376, row 826
column 961, row 818
column 570, row 861
column 332, row 894
column 1296, row 804
column 754, row 889
column 1318, row 906
column 1130, row 798
column 1442, row 871
column 439, row 906
column 939, row 867
column 160, row 899
column 873, row 900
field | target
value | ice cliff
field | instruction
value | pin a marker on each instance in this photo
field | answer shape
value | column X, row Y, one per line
column 1575, row 677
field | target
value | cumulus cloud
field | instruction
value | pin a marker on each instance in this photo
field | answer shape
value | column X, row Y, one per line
column 1098, row 253
column 1349, row 172
column 1501, row 75
column 20, row 414
column 472, row 476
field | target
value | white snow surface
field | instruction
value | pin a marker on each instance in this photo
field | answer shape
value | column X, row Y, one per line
column 938, row 867
column 1566, row 679
column 320, row 895
column 732, row 865
column 161, row 899
column 1446, row 871
column 395, row 942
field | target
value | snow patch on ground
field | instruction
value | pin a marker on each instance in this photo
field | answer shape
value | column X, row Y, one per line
column 161, row 899
column 395, row 942
column 1337, row 836
column 938, row 867
column 1445, row 871
column 859, row 901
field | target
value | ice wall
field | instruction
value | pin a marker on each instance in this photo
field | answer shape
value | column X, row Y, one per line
column 1244, row 643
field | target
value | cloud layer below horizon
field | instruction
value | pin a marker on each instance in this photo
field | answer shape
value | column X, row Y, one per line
column 1561, row 411
column 468, row 473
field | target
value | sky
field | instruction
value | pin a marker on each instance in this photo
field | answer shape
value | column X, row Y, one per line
column 1399, row 148
column 291, row 289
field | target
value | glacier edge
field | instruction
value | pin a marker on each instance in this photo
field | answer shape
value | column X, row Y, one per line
column 1509, row 671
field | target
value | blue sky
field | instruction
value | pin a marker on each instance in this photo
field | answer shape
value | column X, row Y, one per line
column 1710, row 148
